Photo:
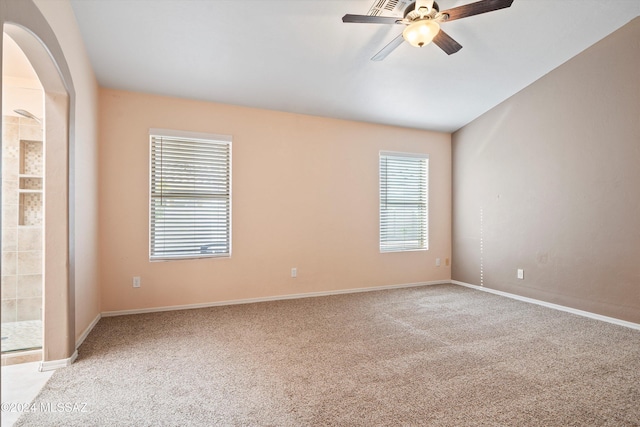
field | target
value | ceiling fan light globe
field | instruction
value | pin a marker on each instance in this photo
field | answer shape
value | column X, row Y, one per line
column 420, row 33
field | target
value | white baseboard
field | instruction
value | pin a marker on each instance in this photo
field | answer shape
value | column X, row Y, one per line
column 551, row 305
column 51, row 365
column 87, row 330
column 273, row 298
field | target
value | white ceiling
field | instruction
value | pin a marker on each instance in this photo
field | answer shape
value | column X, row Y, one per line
column 298, row 56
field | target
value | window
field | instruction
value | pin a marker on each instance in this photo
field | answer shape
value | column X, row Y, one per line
column 190, row 195
column 403, row 202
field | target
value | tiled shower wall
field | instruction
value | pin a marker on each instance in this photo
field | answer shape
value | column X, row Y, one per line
column 22, row 218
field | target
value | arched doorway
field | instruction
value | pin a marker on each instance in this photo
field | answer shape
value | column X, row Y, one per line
column 24, row 23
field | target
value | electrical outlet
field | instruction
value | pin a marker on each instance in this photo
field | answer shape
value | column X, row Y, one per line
column 294, row 272
column 136, row 281
column 520, row 274
column 437, row 262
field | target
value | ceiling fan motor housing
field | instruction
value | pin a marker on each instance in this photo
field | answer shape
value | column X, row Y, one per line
column 412, row 8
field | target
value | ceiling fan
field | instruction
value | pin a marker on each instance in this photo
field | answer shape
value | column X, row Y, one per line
column 423, row 19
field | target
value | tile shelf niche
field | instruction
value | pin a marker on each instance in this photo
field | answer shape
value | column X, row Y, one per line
column 30, row 183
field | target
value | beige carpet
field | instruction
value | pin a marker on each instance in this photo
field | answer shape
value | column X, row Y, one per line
column 436, row 355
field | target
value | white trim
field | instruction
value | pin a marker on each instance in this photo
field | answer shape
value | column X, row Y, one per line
column 51, row 365
column 171, row 133
column 273, row 298
column 403, row 154
column 88, row 330
column 588, row 314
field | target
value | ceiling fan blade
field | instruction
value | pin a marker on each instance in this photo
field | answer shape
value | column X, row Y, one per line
column 446, row 43
column 388, row 48
column 367, row 19
column 476, row 8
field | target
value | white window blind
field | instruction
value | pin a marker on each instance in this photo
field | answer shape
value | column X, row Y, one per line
column 404, row 199
column 190, row 212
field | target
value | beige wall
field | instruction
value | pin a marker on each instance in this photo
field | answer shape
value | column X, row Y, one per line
column 61, row 18
column 305, row 195
column 549, row 181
